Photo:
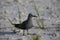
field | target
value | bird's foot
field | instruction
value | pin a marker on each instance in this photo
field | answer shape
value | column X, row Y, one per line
column 31, row 34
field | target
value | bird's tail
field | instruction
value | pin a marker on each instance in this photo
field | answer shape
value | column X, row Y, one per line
column 17, row 25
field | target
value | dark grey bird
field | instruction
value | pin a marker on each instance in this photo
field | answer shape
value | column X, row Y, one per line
column 27, row 24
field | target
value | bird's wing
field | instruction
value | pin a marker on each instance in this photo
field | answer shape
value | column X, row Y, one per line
column 25, row 23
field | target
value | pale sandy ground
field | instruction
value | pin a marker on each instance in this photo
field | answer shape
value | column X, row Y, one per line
column 51, row 16
column 45, row 34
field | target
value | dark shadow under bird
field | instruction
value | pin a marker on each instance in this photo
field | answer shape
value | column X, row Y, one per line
column 27, row 24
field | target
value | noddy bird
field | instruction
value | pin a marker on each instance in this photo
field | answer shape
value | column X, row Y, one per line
column 27, row 24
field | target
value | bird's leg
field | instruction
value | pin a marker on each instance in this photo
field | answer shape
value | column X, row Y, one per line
column 27, row 32
column 19, row 31
column 23, row 32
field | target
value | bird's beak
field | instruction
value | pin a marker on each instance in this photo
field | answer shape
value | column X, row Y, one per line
column 34, row 16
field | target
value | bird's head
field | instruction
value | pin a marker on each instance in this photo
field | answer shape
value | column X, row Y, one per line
column 31, row 15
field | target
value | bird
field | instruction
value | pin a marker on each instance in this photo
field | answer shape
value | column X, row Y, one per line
column 27, row 24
